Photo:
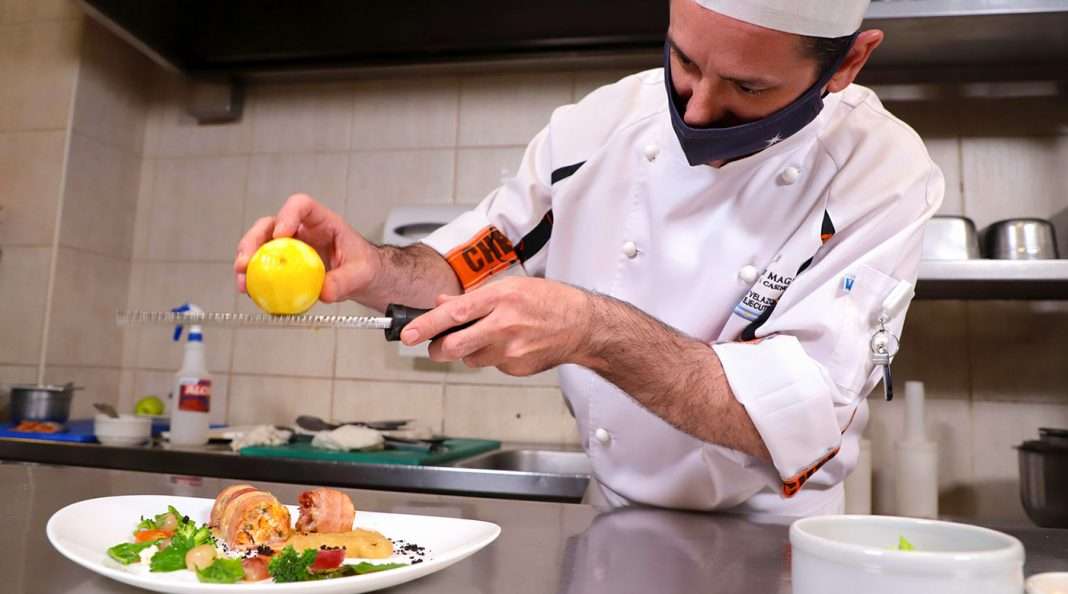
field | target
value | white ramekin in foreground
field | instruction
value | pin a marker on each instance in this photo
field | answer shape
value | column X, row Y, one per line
column 850, row 554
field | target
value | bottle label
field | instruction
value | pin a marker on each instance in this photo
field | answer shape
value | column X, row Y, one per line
column 195, row 396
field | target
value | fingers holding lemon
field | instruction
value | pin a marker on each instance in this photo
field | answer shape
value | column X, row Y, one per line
column 285, row 276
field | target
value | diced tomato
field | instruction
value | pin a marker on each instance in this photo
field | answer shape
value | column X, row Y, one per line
column 150, row 535
column 255, row 569
column 326, row 559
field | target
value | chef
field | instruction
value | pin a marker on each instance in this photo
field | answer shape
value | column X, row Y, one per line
column 709, row 252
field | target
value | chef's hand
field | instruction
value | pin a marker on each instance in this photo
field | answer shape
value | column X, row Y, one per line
column 525, row 326
column 351, row 261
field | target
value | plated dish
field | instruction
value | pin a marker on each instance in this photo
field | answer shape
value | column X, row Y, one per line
column 246, row 540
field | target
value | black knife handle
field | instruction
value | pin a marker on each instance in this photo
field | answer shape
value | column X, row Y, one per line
column 401, row 315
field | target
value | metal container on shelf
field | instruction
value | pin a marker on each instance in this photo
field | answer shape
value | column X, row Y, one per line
column 950, row 238
column 1021, row 239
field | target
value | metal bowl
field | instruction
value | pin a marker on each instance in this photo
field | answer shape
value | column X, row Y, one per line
column 31, row 402
column 950, row 238
column 1044, row 483
column 1021, row 239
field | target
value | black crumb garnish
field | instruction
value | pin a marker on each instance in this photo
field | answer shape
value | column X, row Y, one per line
column 264, row 550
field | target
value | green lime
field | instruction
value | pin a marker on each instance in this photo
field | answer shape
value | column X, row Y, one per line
column 149, row 406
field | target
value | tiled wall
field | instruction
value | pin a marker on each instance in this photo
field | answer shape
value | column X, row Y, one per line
column 97, row 222
column 71, row 130
column 994, row 371
column 39, row 47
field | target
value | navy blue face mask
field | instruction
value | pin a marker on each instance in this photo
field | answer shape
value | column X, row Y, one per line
column 705, row 145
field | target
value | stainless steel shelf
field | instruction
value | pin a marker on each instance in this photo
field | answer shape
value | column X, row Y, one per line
column 993, row 279
column 1013, row 35
column 890, row 9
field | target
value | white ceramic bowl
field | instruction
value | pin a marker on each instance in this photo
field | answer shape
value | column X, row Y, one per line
column 127, row 430
column 850, row 554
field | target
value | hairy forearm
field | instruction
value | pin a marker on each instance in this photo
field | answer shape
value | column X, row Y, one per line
column 413, row 275
column 678, row 378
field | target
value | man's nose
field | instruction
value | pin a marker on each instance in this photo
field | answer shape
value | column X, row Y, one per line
column 703, row 108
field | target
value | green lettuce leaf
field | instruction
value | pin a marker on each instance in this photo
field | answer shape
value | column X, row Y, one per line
column 186, row 537
column 222, row 571
column 171, row 558
column 357, row 569
column 129, row 552
column 365, row 567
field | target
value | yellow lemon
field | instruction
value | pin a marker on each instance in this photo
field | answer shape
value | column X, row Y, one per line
column 285, row 276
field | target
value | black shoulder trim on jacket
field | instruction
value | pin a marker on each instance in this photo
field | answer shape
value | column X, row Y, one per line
column 565, row 172
column 827, row 230
column 535, row 240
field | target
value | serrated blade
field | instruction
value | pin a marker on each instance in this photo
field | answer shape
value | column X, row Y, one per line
column 240, row 320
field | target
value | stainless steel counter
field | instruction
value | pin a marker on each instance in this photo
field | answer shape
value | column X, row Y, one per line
column 543, row 548
column 219, row 461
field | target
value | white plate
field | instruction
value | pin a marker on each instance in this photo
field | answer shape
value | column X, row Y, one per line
column 83, row 531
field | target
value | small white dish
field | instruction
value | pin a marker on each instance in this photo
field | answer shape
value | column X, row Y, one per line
column 849, row 554
column 83, row 531
column 125, row 431
column 1048, row 583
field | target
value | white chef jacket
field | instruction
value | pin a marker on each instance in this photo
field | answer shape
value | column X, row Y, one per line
column 604, row 199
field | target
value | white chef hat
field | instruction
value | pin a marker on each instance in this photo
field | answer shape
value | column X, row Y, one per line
column 816, row 18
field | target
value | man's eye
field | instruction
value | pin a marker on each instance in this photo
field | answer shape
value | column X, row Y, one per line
column 685, row 61
column 749, row 90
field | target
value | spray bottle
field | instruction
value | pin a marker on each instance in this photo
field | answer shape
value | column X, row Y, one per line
column 192, row 388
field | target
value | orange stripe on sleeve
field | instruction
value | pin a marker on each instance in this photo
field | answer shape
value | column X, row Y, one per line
column 791, row 486
column 484, row 255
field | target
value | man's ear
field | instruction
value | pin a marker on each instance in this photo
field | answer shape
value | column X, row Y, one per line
column 858, row 56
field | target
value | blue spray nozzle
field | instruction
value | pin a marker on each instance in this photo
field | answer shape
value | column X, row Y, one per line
column 195, row 332
column 178, row 329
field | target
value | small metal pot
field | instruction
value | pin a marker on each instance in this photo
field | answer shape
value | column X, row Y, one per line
column 950, row 238
column 30, row 402
column 1044, row 483
column 1021, row 239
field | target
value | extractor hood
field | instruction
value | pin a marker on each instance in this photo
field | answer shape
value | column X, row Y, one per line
column 980, row 38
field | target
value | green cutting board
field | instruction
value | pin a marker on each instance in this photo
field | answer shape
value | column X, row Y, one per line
column 454, row 449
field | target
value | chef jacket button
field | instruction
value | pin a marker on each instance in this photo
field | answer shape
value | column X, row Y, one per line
column 630, row 249
column 602, row 435
column 651, row 152
column 790, row 175
column 749, row 274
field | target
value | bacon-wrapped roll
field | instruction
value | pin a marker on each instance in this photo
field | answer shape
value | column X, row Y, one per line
column 223, row 498
column 252, row 519
column 325, row 510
